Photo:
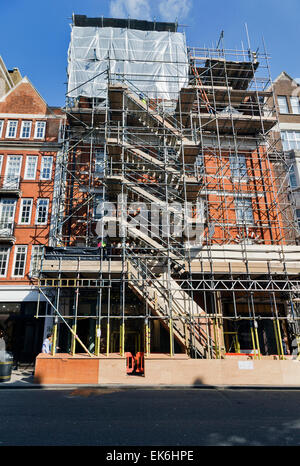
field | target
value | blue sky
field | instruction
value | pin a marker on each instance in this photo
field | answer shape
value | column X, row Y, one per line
column 34, row 34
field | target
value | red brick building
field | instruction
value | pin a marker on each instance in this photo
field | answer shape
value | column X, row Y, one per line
column 287, row 133
column 29, row 143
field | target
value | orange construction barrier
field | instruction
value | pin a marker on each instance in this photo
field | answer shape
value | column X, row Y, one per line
column 139, row 358
column 130, row 363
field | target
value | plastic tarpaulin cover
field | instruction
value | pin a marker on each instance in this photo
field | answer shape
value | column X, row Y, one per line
column 71, row 253
column 152, row 62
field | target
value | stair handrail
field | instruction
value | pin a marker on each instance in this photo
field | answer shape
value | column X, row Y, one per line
column 203, row 338
column 173, row 121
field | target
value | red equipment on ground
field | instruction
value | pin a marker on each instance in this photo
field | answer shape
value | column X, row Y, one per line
column 135, row 364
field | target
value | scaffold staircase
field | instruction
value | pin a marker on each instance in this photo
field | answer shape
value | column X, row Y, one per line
column 167, row 300
column 152, row 176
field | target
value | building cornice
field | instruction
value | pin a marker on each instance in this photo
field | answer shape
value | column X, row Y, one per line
column 30, row 145
column 32, row 115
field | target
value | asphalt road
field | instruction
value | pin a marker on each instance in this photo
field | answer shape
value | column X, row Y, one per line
column 196, row 417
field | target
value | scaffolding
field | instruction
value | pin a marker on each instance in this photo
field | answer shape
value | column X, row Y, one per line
column 173, row 229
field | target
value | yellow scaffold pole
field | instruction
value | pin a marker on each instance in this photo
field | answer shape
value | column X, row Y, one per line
column 71, row 330
column 122, row 338
column 147, row 337
column 97, row 340
column 276, row 338
column 257, row 340
column 217, row 347
column 54, row 338
column 253, row 341
column 171, row 338
column 281, row 355
column 74, row 326
column 107, row 338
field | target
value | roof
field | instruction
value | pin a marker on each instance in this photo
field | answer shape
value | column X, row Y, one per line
column 221, row 72
column 51, row 110
column 84, row 21
column 9, row 78
column 285, row 75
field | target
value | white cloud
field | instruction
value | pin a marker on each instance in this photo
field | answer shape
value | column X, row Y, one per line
column 172, row 9
column 168, row 10
column 136, row 9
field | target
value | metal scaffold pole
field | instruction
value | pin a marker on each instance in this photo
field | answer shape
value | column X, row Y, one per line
column 150, row 151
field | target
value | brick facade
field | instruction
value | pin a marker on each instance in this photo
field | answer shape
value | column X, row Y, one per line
column 287, row 137
column 29, row 143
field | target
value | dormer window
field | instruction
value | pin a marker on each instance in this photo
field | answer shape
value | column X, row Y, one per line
column 282, row 104
column 295, row 104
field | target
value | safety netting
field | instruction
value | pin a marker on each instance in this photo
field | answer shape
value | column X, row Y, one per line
column 150, row 62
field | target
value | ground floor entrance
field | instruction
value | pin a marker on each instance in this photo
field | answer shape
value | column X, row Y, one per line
column 104, row 324
column 138, row 336
column 23, row 332
column 115, row 319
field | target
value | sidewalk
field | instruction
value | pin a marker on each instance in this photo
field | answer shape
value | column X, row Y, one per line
column 23, row 378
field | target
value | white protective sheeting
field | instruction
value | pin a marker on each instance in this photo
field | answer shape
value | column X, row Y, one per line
column 152, row 62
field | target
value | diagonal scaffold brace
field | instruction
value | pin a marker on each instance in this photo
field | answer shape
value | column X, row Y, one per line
column 65, row 322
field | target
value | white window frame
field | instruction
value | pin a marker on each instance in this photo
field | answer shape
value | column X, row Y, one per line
column 26, row 176
column 8, row 128
column 37, row 211
column 238, row 167
column 23, row 125
column 293, row 176
column 45, row 160
column 240, row 202
column 18, row 246
column 295, row 106
column 12, row 180
column 23, row 200
column 7, row 259
column 7, row 215
column 283, row 105
column 1, row 163
column 290, row 140
column 98, row 207
column 298, row 218
column 1, row 127
column 37, row 129
column 100, row 159
column 35, row 257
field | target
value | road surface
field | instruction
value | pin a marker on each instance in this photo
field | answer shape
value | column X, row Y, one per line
column 145, row 417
